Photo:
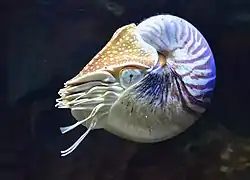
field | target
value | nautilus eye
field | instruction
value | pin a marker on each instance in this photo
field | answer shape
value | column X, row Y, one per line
column 130, row 76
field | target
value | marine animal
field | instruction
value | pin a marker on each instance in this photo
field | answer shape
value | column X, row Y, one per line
column 149, row 83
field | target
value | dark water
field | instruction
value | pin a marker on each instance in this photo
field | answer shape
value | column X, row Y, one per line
column 49, row 41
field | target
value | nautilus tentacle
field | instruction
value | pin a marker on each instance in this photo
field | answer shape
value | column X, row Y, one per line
column 149, row 83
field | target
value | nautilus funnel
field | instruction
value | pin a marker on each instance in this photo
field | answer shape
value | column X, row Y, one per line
column 149, row 83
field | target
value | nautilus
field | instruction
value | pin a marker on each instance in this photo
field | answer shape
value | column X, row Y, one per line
column 149, row 83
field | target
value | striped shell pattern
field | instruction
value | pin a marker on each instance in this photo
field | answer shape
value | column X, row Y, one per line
column 148, row 84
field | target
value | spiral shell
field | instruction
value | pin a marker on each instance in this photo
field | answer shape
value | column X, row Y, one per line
column 149, row 83
column 186, row 51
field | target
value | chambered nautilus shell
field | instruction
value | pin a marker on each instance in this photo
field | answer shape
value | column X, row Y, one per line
column 149, row 83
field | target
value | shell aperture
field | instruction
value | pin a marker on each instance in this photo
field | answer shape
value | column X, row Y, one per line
column 149, row 83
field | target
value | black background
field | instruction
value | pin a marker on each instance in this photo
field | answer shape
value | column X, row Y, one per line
column 49, row 41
